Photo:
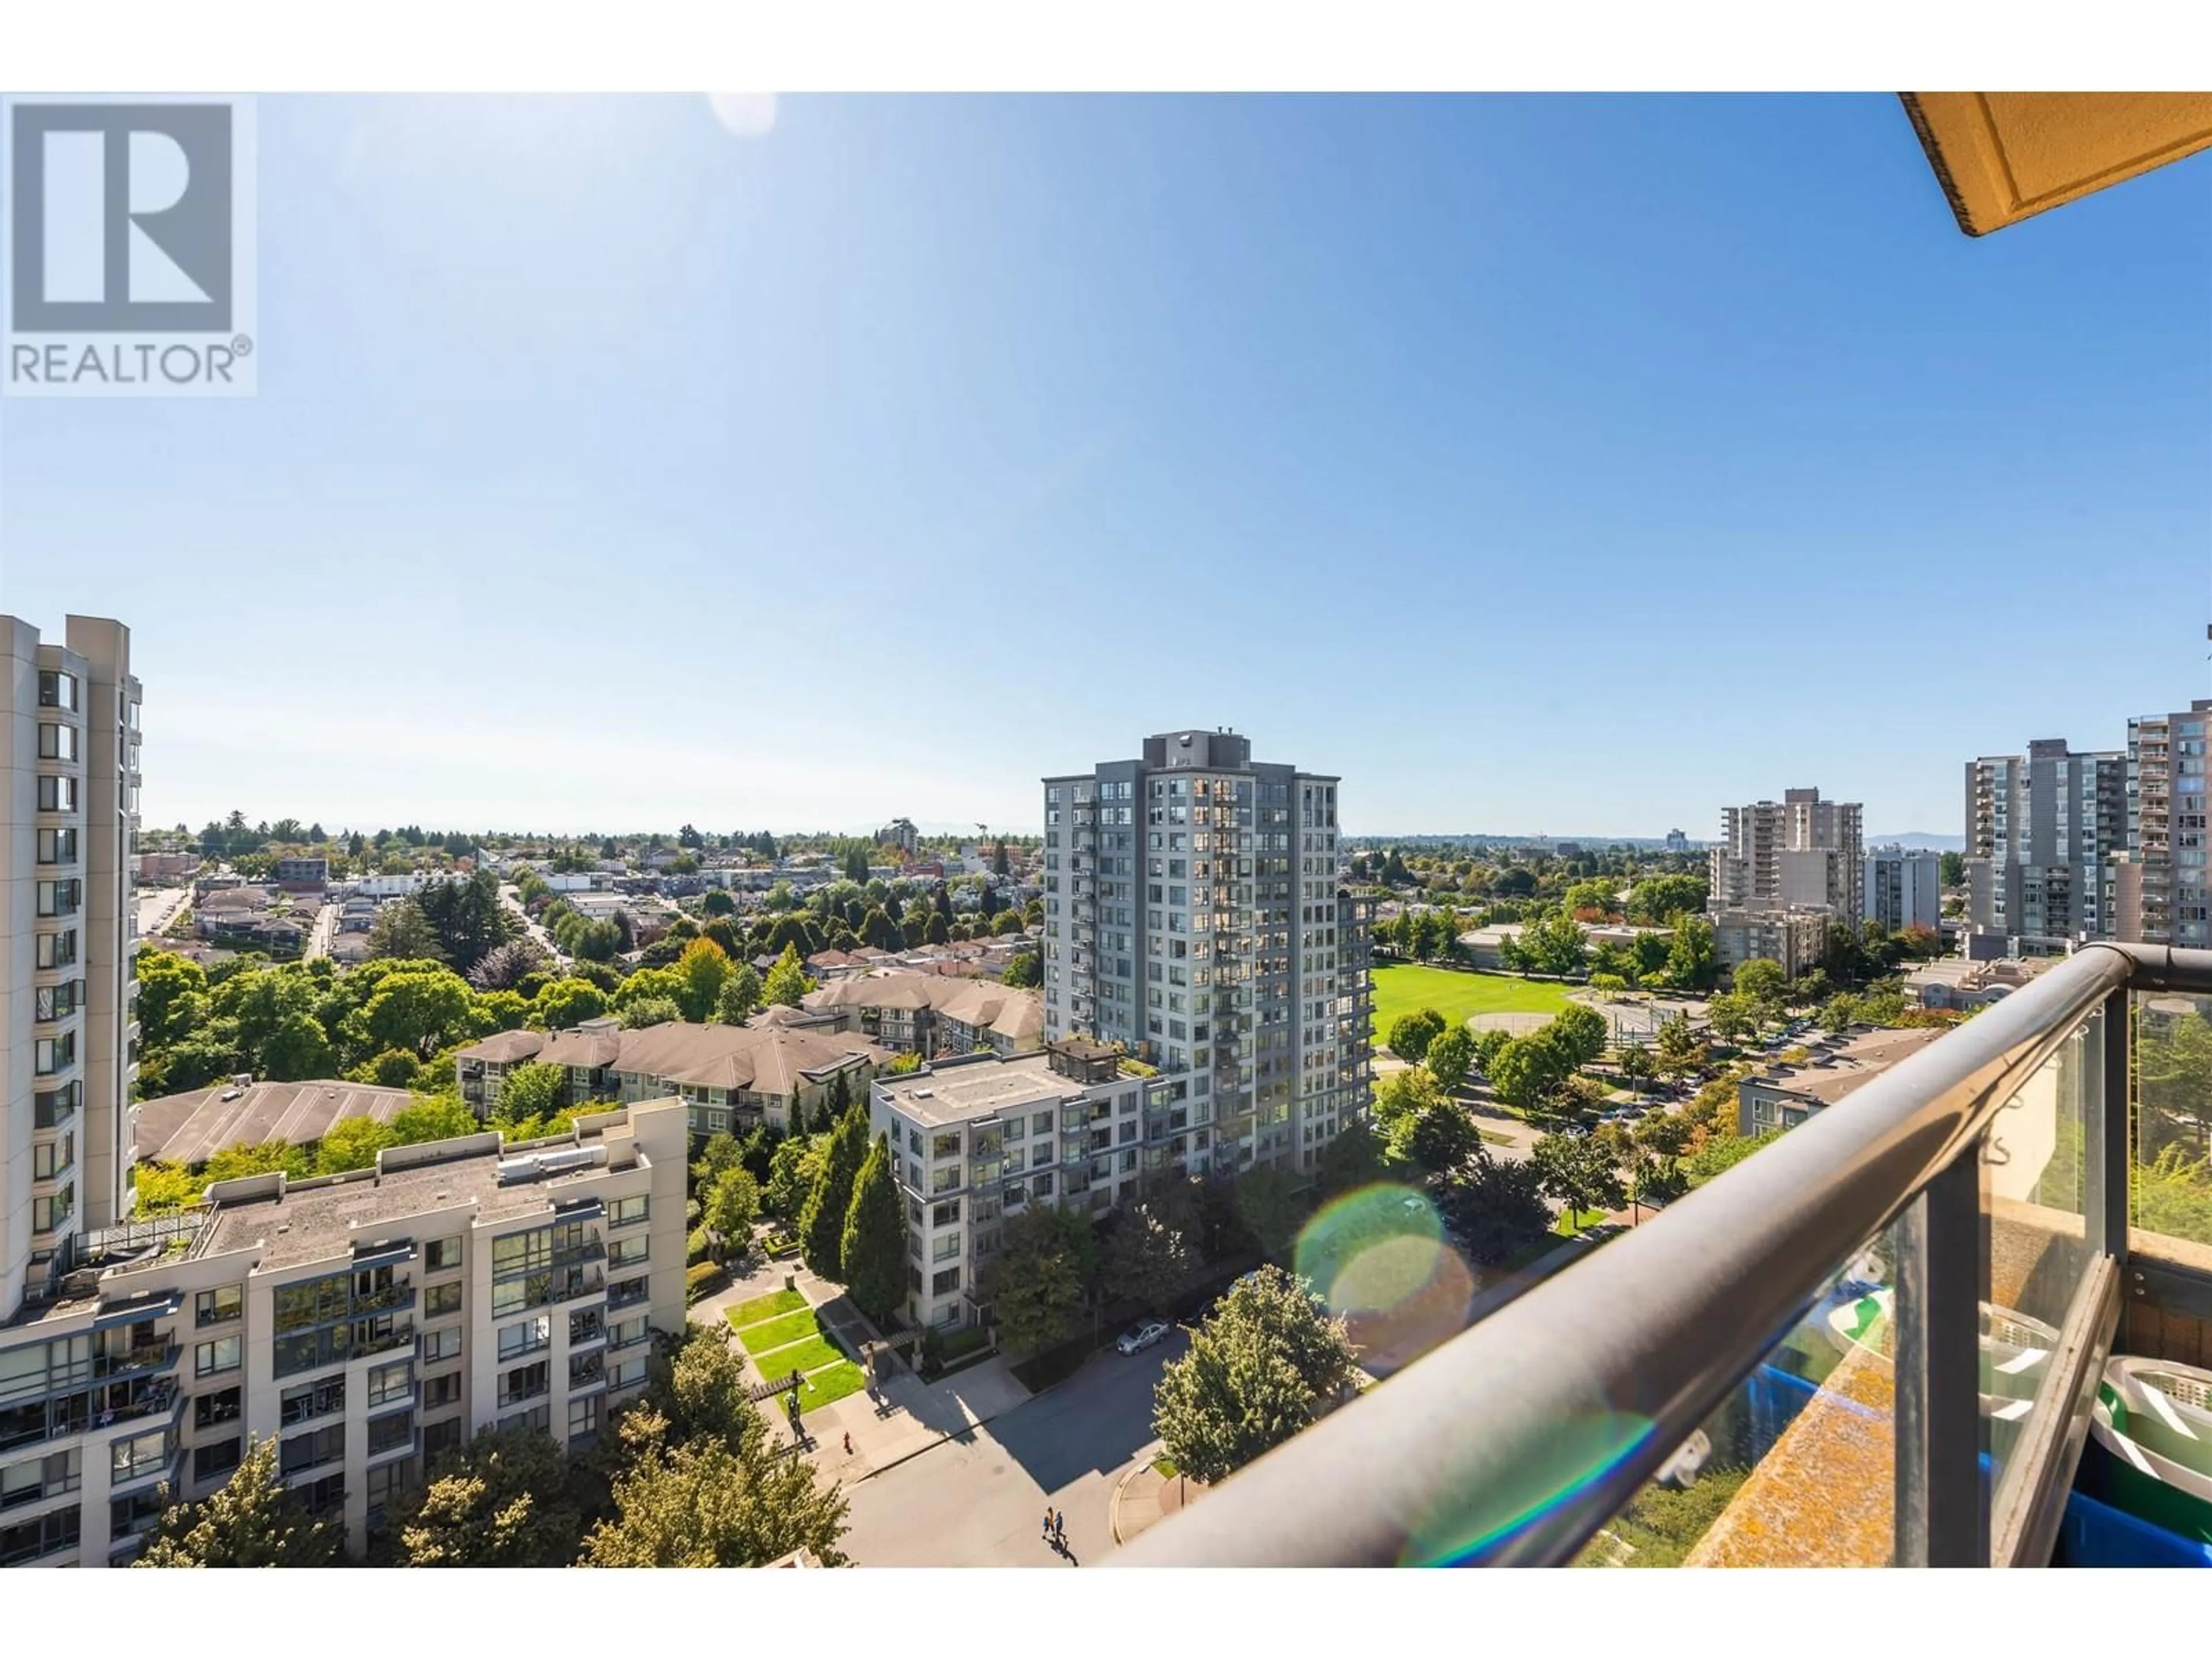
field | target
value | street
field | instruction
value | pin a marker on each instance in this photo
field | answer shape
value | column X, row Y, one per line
column 319, row 936
column 978, row 1500
column 512, row 898
column 158, row 906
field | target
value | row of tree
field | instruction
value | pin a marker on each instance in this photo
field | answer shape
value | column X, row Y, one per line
column 689, row 1475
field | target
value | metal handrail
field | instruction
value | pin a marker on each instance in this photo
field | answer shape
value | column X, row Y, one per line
column 1515, row 1441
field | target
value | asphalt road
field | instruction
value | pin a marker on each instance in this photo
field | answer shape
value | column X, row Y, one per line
column 978, row 1500
column 512, row 898
column 158, row 905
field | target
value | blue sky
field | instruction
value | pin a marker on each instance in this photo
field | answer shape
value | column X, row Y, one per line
column 1575, row 466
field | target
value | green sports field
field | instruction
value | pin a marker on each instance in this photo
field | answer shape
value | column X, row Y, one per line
column 1403, row 989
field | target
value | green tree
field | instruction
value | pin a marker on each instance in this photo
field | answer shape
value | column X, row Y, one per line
column 1601, row 897
column 1732, row 1015
column 731, row 1208
column 704, row 971
column 231, row 1162
column 536, row 1089
column 1262, row 1367
column 351, row 1143
column 1578, row 1172
column 1150, row 1259
column 563, row 1003
column 399, row 931
column 1354, row 1158
column 1268, row 1209
column 873, row 1247
column 1043, row 1270
column 1494, row 1207
column 794, row 1169
column 1411, row 1034
column 707, row 1503
column 598, row 941
column 465, row 918
column 1552, row 944
column 786, row 980
column 1761, row 979
column 1656, row 901
column 1678, row 1045
column 441, row 1117
column 721, row 1152
column 644, row 1012
column 1951, row 869
column 1449, row 1057
column 173, row 993
column 1525, row 1071
column 499, row 1500
column 1579, row 1032
column 418, row 1011
column 1024, row 972
column 252, row 1520
column 296, row 1050
column 1444, row 1138
column 739, row 997
column 1692, row 960
column 165, row 1189
column 822, row 1223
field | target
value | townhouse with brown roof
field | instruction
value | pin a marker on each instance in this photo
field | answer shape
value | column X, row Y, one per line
column 934, row 1014
column 729, row 1077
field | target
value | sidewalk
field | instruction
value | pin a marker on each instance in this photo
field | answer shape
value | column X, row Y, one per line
column 1144, row 1497
column 902, row 1418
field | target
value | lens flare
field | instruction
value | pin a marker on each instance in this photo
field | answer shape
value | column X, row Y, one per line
column 1378, row 1257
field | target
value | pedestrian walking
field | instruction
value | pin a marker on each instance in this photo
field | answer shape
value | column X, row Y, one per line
column 1059, row 1523
column 1048, row 1522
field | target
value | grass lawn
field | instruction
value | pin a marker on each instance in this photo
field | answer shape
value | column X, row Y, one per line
column 1406, row 987
column 810, row 1355
column 775, row 1333
column 1165, row 1465
column 1571, row 1222
column 838, row 1380
column 765, row 1307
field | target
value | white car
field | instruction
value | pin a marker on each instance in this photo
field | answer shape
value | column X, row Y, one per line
column 1139, row 1338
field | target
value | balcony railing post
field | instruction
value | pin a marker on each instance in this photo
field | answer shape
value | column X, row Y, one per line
column 2105, row 1129
column 1941, row 1519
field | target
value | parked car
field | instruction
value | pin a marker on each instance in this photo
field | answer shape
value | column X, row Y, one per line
column 1140, row 1337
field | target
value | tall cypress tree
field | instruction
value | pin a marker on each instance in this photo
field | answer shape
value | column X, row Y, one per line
column 821, row 1222
column 874, row 1243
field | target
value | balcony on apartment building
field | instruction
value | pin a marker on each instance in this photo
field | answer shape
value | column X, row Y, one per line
column 1887, row 1331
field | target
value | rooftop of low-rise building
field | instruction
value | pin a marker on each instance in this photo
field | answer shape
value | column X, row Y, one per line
column 191, row 1127
column 1841, row 1064
column 297, row 1222
column 976, row 1086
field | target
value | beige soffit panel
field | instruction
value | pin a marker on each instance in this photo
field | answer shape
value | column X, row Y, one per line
column 2002, row 156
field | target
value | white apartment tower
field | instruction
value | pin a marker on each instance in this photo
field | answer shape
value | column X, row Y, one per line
column 1796, row 854
column 69, row 743
column 1904, row 888
column 1191, row 914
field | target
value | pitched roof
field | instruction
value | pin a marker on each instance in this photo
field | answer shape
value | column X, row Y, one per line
column 193, row 1126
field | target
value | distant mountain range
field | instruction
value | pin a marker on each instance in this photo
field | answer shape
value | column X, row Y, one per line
column 1920, row 840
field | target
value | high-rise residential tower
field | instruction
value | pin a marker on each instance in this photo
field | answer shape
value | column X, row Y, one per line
column 2161, row 896
column 1798, row 853
column 1904, row 888
column 1192, row 914
column 2045, row 832
column 69, row 746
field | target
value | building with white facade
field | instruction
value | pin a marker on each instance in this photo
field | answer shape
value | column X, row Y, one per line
column 1191, row 914
column 978, row 1140
column 2162, row 896
column 1796, row 939
column 1904, row 888
column 365, row 1321
column 1799, row 851
column 68, row 754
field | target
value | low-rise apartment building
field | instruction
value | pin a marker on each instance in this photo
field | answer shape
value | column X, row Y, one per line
column 366, row 1322
column 1782, row 1096
column 917, row 1013
column 978, row 1140
column 1960, row 983
column 728, row 1077
column 1796, row 939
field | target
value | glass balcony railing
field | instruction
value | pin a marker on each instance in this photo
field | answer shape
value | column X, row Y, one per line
column 1876, row 1342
